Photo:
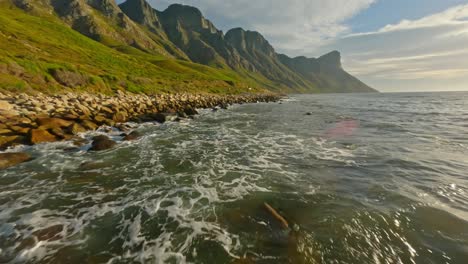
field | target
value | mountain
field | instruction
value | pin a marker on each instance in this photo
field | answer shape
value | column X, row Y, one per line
column 136, row 47
column 259, row 56
column 326, row 72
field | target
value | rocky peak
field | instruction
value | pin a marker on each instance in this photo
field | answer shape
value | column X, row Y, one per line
column 332, row 59
column 249, row 41
column 141, row 12
column 188, row 17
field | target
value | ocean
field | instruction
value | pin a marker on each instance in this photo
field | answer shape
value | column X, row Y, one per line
column 359, row 178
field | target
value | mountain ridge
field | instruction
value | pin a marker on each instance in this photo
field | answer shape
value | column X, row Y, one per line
column 180, row 35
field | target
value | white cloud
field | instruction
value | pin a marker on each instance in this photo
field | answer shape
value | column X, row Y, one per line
column 427, row 53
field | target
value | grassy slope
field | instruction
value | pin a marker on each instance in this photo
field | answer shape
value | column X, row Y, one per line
column 31, row 46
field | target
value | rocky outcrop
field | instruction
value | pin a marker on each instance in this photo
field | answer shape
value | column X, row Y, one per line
column 259, row 56
column 187, row 28
column 11, row 159
column 326, row 73
column 101, row 143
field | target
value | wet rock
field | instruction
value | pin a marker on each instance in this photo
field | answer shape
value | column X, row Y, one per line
column 89, row 125
column 134, row 135
column 8, row 160
column 190, row 111
column 40, row 136
column 11, row 140
column 47, row 123
column 102, row 143
column 160, row 118
column 76, row 129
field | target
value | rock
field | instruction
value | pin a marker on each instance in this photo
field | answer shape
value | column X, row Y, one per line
column 20, row 129
column 47, row 123
column 41, row 135
column 89, row 125
column 160, row 118
column 9, row 113
column 102, row 143
column 134, row 135
column 76, row 129
column 4, row 105
column 11, row 159
column 58, row 132
column 8, row 141
column 68, row 78
column 119, row 117
column 190, row 111
column 308, row 113
column 6, row 131
column 100, row 119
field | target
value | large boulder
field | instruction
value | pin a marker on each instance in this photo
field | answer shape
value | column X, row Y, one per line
column 47, row 123
column 40, row 136
column 158, row 117
column 102, row 143
column 11, row 159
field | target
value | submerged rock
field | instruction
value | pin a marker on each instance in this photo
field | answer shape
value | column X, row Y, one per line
column 102, row 143
column 11, row 159
column 134, row 135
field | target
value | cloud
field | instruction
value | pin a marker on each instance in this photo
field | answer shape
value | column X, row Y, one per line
column 426, row 53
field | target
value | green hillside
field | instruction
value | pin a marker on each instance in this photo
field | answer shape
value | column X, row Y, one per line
column 99, row 46
column 41, row 52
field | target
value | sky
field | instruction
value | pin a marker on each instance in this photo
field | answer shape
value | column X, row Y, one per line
column 392, row 45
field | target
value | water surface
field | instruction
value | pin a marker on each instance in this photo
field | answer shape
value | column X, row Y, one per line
column 365, row 178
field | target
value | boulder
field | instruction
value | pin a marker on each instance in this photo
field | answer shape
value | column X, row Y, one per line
column 190, row 111
column 119, row 117
column 89, row 125
column 20, row 129
column 40, row 136
column 76, row 129
column 68, row 78
column 134, row 135
column 7, row 141
column 4, row 105
column 102, row 143
column 158, row 117
column 52, row 122
column 11, row 159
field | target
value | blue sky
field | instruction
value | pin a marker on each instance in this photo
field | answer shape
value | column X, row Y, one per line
column 393, row 45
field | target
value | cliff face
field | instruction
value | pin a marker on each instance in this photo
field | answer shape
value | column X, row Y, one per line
column 327, row 72
column 182, row 32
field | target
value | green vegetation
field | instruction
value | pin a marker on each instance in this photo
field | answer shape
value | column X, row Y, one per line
column 33, row 47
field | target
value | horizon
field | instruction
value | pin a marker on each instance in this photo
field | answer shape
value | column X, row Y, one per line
column 393, row 46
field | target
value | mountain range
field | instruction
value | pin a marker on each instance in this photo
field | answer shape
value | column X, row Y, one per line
column 99, row 45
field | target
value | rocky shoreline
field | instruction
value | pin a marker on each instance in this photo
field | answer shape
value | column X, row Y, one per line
column 34, row 119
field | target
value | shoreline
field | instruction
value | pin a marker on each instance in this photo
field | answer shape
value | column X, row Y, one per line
column 34, row 119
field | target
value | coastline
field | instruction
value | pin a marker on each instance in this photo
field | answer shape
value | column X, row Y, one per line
column 34, row 119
